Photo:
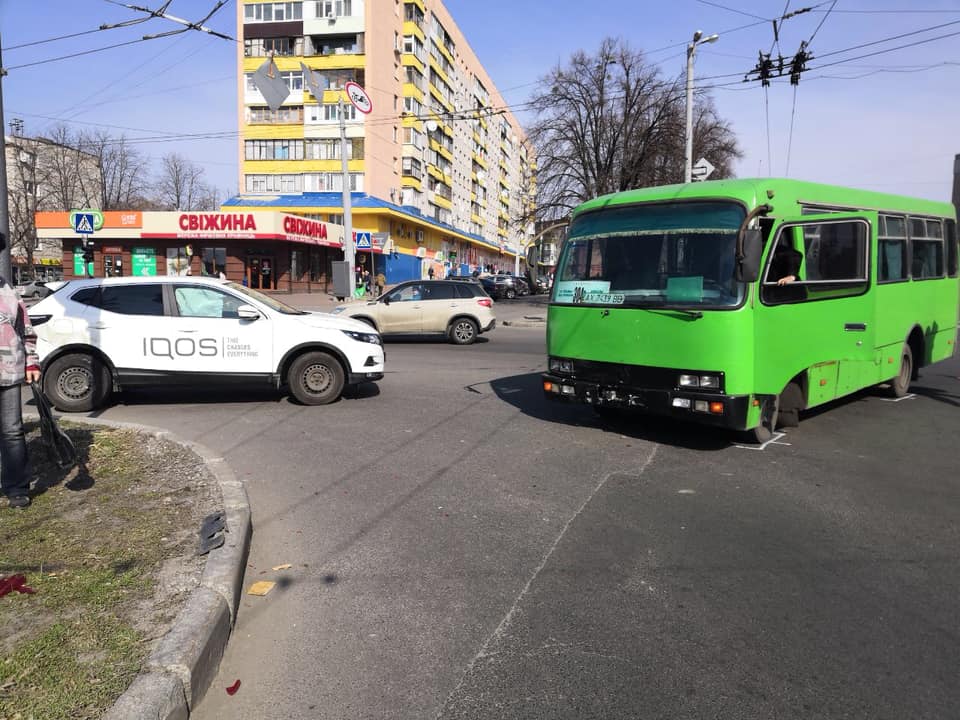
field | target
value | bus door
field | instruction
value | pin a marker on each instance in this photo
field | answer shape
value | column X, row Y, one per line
column 816, row 311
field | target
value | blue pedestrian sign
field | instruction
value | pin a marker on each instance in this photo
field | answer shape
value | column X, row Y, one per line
column 363, row 240
column 83, row 223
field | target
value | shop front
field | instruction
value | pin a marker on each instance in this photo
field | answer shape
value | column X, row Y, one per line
column 265, row 250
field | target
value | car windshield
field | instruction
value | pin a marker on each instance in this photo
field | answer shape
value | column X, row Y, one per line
column 652, row 255
column 270, row 302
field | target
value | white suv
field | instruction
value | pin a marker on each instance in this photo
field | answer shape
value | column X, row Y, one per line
column 99, row 335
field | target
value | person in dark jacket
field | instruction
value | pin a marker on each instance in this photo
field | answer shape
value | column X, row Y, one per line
column 18, row 364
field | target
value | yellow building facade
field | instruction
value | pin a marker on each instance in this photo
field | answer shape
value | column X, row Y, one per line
column 440, row 171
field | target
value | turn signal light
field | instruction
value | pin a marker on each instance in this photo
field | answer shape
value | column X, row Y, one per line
column 716, row 408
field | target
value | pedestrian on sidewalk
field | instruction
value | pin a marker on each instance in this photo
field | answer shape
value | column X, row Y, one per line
column 381, row 283
column 18, row 363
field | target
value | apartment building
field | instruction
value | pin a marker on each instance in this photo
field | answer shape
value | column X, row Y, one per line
column 440, row 171
column 44, row 175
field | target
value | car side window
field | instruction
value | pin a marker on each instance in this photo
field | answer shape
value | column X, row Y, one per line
column 438, row 291
column 407, row 293
column 132, row 299
column 87, row 296
column 464, row 292
column 195, row 301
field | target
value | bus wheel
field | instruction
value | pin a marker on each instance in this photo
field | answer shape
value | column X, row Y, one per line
column 901, row 383
column 769, row 412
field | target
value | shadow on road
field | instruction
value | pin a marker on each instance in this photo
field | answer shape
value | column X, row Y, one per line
column 525, row 393
column 226, row 395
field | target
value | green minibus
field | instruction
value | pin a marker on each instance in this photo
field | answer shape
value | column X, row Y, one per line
column 741, row 303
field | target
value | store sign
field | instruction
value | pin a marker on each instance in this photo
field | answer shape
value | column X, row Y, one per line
column 307, row 228
column 217, row 222
column 143, row 261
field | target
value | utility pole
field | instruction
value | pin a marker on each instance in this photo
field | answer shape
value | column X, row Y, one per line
column 348, row 250
column 956, row 183
column 5, row 269
column 698, row 39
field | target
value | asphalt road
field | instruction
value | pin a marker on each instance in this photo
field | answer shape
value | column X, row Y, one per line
column 463, row 549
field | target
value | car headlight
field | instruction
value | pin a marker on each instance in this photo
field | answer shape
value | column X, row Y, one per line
column 372, row 338
column 558, row 365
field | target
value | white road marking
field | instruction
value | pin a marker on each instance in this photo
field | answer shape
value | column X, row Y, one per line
column 775, row 440
column 908, row 396
column 508, row 618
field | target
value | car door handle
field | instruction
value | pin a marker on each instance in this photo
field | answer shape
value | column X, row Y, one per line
column 187, row 331
column 855, row 327
column 99, row 326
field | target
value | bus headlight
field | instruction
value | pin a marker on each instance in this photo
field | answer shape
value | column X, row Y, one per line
column 562, row 367
column 689, row 381
column 711, row 382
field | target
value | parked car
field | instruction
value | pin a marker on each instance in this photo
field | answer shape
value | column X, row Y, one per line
column 543, row 284
column 33, row 289
column 98, row 335
column 458, row 310
column 504, row 286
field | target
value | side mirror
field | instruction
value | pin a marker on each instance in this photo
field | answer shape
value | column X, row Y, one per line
column 248, row 312
column 385, row 299
column 748, row 256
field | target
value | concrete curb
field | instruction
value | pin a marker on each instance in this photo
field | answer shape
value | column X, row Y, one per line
column 180, row 669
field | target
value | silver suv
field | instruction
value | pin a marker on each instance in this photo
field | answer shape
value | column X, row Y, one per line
column 459, row 311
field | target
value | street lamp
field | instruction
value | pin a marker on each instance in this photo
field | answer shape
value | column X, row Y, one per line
column 698, row 39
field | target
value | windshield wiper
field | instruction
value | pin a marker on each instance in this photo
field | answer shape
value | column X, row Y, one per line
column 692, row 314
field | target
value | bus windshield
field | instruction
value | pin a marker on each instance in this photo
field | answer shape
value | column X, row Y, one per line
column 652, row 255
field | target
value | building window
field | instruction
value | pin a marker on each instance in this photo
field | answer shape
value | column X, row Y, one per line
column 266, row 116
column 214, row 261
column 280, row 47
column 273, row 149
column 334, row 8
column 329, row 149
column 273, row 12
column 277, row 183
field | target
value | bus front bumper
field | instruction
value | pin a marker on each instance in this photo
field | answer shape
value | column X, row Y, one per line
column 729, row 411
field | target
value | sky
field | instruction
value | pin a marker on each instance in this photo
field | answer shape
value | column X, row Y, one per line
column 874, row 110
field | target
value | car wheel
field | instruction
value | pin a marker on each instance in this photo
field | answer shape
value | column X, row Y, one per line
column 464, row 331
column 510, row 293
column 77, row 382
column 315, row 378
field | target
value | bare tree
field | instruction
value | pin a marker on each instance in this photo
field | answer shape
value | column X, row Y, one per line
column 123, row 178
column 22, row 200
column 181, row 185
column 610, row 122
column 70, row 176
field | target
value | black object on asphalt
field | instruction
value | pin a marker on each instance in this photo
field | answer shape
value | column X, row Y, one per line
column 62, row 449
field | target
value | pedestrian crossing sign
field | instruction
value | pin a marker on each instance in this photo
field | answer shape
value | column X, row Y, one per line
column 363, row 240
column 83, row 223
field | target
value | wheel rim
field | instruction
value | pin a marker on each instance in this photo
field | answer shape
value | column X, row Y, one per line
column 317, row 379
column 463, row 331
column 75, row 383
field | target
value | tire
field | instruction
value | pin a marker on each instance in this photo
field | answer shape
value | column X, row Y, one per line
column 510, row 293
column 769, row 414
column 463, row 331
column 900, row 385
column 315, row 378
column 77, row 382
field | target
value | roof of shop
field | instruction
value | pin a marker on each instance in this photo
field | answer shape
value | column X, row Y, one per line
column 358, row 200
